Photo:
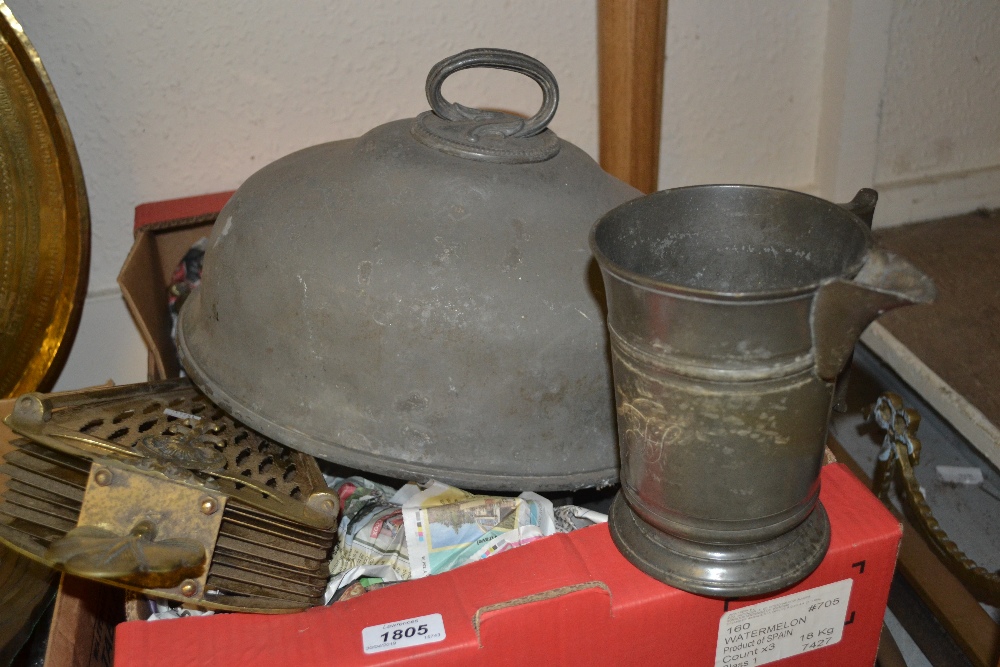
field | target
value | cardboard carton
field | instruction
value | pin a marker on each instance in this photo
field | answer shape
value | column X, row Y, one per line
column 164, row 231
column 564, row 600
column 570, row 599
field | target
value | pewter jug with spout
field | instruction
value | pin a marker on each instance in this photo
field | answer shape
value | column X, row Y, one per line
column 732, row 311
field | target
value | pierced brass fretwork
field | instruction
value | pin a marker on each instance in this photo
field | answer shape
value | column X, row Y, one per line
column 153, row 488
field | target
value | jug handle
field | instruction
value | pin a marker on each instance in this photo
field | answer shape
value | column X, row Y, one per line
column 863, row 206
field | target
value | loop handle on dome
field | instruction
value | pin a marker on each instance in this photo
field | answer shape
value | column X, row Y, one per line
column 495, row 59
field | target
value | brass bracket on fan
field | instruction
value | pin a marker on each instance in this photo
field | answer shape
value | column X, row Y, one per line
column 142, row 531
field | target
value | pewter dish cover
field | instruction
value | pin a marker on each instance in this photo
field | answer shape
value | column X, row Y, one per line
column 420, row 301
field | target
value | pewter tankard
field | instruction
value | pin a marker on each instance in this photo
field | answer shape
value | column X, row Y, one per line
column 732, row 310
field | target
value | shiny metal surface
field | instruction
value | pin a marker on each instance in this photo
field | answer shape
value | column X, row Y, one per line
column 732, row 310
column 420, row 301
column 44, row 263
column 44, row 221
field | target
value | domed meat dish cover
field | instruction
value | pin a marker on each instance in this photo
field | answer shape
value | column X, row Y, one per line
column 420, row 301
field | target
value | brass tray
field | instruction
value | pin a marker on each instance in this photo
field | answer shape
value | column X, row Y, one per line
column 44, row 221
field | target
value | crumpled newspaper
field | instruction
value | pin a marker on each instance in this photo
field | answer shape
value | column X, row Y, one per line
column 386, row 535
column 447, row 527
column 371, row 528
column 450, row 527
column 165, row 610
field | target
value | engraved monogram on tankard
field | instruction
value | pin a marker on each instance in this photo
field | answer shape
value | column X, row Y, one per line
column 732, row 310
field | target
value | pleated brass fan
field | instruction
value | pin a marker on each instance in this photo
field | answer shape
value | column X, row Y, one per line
column 153, row 488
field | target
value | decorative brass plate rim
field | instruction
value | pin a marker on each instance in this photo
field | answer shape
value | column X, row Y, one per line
column 40, row 337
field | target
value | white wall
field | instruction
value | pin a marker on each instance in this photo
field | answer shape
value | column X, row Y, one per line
column 174, row 99
column 911, row 106
column 939, row 135
column 741, row 94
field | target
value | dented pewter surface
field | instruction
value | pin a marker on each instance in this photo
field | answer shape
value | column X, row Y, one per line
column 385, row 305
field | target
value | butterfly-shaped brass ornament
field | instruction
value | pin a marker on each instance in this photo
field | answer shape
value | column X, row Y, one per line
column 189, row 444
column 137, row 557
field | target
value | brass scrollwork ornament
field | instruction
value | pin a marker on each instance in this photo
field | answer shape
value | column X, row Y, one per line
column 900, row 452
column 190, row 444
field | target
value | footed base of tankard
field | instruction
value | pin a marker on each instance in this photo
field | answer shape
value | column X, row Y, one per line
column 721, row 570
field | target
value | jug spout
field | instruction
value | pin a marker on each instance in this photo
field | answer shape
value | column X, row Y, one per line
column 843, row 308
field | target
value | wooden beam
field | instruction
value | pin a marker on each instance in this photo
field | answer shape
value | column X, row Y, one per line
column 631, row 44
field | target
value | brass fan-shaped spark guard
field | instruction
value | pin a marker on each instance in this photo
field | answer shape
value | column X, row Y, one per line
column 153, row 488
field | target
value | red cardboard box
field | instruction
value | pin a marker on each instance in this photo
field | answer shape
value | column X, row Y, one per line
column 564, row 600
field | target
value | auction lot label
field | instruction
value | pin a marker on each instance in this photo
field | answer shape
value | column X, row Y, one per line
column 401, row 634
column 781, row 628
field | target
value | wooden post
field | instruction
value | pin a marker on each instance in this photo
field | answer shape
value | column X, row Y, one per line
column 631, row 44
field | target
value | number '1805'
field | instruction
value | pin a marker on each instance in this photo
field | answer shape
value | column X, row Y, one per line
column 400, row 633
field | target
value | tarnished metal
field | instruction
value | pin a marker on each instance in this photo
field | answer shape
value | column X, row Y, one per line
column 487, row 135
column 131, row 422
column 900, row 452
column 136, row 557
column 153, row 488
column 26, row 586
column 732, row 310
column 140, row 529
column 26, row 590
column 419, row 301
